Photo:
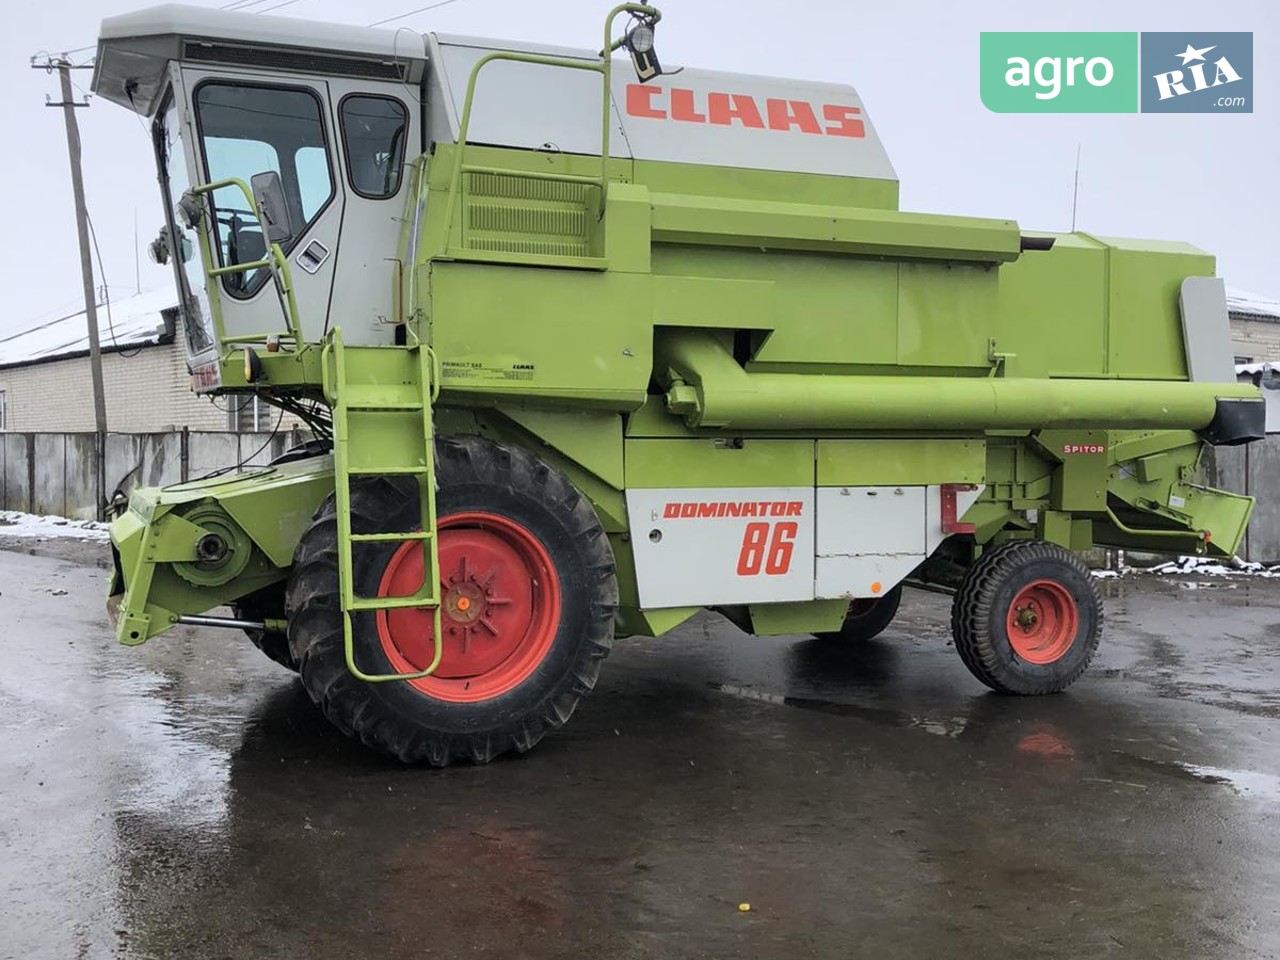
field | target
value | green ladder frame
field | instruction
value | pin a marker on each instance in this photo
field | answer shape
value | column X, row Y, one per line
column 380, row 397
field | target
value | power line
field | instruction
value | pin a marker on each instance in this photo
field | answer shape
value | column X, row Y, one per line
column 233, row 6
column 412, row 13
column 106, row 290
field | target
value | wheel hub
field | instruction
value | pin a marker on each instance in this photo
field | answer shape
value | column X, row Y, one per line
column 1043, row 622
column 500, row 608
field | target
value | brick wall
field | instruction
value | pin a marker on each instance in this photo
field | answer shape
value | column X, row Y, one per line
column 146, row 392
column 1257, row 339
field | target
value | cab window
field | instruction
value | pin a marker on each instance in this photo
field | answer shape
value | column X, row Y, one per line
column 374, row 130
column 246, row 130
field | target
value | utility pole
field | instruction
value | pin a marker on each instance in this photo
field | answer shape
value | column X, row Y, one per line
column 69, row 106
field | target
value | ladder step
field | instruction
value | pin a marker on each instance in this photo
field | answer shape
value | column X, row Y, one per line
column 388, row 471
column 369, row 604
column 418, row 535
column 385, row 396
column 385, row 405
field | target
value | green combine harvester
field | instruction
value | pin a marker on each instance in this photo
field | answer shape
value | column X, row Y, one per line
column 587, row 347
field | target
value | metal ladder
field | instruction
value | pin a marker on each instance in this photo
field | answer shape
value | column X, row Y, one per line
column 381, row 399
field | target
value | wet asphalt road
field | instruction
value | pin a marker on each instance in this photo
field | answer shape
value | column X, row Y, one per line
column 185, row 800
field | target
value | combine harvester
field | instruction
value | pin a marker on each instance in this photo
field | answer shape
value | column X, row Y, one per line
column 585, row 352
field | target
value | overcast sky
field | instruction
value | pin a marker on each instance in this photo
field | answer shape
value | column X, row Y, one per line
column 1210, row 180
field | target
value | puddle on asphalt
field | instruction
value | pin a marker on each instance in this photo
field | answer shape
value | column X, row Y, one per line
column 1247, row 783
column 939, row 727
column 1244, row 783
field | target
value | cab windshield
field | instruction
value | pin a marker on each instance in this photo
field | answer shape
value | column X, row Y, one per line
column 246, row 130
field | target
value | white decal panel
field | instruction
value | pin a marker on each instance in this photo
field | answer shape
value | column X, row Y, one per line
column 706, row 547
column 693, row 116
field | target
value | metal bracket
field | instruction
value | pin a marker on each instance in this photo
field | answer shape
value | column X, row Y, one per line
column 951, row 524
column 999, row 361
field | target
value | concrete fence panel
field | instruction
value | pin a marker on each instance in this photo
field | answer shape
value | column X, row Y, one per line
column 56, row 473
column 49, row 495
column 17, row 472
column 213, row 451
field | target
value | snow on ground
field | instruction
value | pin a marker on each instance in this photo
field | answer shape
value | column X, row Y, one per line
column 15, row 524
column 1197, row 567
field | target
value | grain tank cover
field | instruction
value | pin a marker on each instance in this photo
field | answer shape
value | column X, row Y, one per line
column 687, row 116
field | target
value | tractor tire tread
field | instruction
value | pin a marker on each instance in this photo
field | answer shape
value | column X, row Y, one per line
column 316, row 625
column 972, row 613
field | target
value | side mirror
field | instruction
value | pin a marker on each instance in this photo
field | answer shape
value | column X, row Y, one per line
column 268, row 194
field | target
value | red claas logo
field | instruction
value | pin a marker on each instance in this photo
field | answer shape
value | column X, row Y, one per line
column 729, row 109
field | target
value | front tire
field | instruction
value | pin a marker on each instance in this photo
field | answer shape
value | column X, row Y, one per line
column 529, row 595
column 1027, row 618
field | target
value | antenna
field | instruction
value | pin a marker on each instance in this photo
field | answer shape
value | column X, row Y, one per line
column 1075, row 195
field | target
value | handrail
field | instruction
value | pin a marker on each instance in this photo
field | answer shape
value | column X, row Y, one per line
column 604, row 67
column 464, row 126
column 277, row 263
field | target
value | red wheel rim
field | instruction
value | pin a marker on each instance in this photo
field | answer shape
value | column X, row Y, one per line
column 500, row 611
column 1043, row 621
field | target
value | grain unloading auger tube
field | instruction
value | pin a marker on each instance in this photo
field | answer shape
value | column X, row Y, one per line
column 587, row 347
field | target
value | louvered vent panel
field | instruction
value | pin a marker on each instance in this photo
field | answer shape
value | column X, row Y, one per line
column 523, row 215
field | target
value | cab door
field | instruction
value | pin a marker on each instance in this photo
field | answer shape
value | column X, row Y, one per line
column 379, row 135
column 242, row 123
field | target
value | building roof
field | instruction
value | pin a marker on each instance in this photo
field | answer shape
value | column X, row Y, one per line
column 1248, row 306
column 135, row 321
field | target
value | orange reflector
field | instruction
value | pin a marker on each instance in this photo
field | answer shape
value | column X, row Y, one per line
column 877, row 587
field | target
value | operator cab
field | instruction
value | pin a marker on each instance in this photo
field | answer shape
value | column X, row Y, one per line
column 315, row 125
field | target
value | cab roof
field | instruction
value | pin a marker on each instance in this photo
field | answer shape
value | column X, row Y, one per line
column 134, row 49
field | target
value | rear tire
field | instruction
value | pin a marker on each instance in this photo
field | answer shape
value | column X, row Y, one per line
column 530, row 598
column 1027, row 618
column 867, row 618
